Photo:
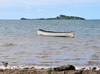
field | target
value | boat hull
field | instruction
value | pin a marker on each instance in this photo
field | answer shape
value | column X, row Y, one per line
column 56, row 34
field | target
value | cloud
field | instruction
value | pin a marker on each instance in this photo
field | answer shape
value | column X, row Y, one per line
column 16, row 3
column 39, row 10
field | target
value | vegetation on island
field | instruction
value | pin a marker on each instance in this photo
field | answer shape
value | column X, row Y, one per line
column 60, row 17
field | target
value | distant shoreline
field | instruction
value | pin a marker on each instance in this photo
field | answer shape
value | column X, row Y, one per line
column 60, row 17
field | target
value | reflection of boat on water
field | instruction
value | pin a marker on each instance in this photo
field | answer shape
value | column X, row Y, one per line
column 53, row 33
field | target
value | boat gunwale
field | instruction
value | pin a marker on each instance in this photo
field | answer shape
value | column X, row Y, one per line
column 53, row 31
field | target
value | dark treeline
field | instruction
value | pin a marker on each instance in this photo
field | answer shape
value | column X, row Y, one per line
column 60, row 17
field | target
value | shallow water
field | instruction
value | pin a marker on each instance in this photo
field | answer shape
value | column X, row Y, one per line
column 19, row 44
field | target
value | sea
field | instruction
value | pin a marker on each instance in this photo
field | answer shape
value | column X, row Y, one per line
column 20, row 44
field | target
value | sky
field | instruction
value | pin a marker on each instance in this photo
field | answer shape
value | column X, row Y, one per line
column 16, row 9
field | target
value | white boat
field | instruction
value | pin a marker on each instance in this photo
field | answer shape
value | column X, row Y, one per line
column 52, row 33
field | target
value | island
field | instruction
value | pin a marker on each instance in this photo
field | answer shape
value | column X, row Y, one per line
column 60, row 17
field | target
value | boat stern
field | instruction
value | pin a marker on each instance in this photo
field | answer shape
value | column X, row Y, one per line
column 73, row 35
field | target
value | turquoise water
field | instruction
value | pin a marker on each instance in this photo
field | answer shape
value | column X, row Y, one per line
column 19, row 44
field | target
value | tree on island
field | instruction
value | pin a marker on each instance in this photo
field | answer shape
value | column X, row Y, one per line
column 68, row 17
column 23, row 18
